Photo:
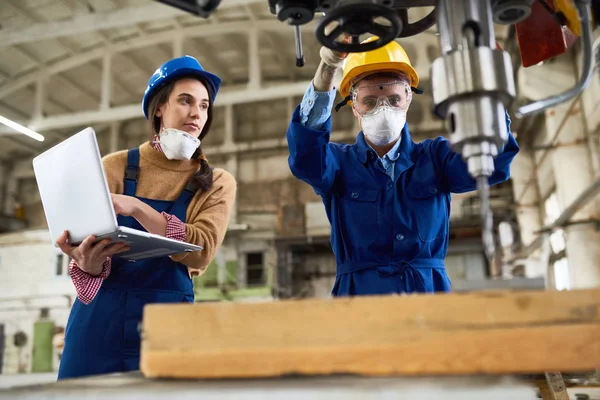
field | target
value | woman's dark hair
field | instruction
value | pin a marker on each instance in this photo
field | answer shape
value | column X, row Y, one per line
column 204, row 177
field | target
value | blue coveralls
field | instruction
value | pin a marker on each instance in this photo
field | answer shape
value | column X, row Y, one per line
column 103, row 337
column 388, row 236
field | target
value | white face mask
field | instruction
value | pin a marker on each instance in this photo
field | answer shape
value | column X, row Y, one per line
column 383, row 125
column 178, row 145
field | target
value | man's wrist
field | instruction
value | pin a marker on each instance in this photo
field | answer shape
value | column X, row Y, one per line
column 331, row 58
column 324, row 78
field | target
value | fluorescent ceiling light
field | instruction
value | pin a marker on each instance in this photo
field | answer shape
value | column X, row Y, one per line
column 20, row 128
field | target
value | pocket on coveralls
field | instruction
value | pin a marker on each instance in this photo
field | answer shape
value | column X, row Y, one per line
column 360, row 216
column 429, row 209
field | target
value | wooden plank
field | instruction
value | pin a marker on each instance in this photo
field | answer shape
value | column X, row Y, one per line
column 444, row 334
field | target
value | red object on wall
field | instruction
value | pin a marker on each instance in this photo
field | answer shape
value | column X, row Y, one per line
column 540, row 37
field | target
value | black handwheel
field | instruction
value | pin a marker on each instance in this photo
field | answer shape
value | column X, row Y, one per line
column 208, row 5
column 357, row 19
column 411, row 29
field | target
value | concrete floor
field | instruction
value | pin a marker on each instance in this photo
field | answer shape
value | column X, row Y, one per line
column 132, row 385
column 17, row 380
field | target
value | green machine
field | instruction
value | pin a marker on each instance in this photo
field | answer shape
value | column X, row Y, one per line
column 208, row 288
column 43, row 352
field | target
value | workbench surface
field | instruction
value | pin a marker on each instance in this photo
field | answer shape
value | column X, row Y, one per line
column 135, row 386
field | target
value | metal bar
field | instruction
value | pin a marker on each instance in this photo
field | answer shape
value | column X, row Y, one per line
column 40, row 296
column 530, row 248
column 106, row 85
column 582, row 200
column 40, row 95
column 128, row 45
column 499, row 284
column 234, row 96
column 597, row 55
column 551, row 143
column 178, row 45
column 79, row 24
column 229, row 126
column 563, row 219
column 2, row 341
column 547, row 147
column 29, row 308
column 115, row 127
column 254, row 60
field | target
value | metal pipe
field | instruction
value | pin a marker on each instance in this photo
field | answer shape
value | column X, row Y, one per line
column 597, row 55
column 32, row 308
column 28, row 299
column 529, row 249
column 299, row 53
column 562, row 124
column 592, row 147
column 39, row 296
column 586, row 75
column 576, row 142
column 563, row 219
column 581, row 201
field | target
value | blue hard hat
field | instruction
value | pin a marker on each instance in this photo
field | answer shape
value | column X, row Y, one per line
column 175, row 68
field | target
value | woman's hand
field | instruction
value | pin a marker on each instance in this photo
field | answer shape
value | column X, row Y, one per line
column 126, row 206
column 148, row 217
column 90, row 256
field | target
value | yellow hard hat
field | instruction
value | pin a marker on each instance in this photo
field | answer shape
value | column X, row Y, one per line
column 568, row 10
column 388, row 58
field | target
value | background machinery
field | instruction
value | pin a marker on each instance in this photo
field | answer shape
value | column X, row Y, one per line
column 473, row 81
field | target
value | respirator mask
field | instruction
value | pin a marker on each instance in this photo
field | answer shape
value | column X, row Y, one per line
column 382, row 108
column 177, row 145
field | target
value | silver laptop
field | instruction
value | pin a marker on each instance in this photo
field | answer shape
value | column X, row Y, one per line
column 76, row 198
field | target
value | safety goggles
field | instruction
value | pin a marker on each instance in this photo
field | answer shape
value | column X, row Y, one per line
column 369, row 98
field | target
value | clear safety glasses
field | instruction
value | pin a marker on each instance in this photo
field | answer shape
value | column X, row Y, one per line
column 369, row 98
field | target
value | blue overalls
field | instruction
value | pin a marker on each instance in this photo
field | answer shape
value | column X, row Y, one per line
column 103, row 337
column 388, row 235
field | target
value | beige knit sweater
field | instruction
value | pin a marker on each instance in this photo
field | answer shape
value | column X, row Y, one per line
column 159, row 178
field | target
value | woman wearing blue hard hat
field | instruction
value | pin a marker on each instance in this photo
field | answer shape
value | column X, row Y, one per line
column 165, row 187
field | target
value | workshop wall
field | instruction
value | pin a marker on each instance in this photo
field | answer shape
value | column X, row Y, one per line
column 33, row 277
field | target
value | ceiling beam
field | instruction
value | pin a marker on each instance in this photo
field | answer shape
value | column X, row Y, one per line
column 17, row 112
column 212, row 63
column 18, row 8
column 70, row 5
column 23, row 168
column 202, row 48
column 85, row 23
column 18, row 82
column 87, row 118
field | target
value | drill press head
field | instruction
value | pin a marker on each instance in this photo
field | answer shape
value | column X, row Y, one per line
column 472, row 83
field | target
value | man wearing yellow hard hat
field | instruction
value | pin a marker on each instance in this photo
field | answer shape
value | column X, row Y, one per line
column 387, row 198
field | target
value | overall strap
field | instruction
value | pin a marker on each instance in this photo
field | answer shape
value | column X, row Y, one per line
column 131, row 172
column 188, row 192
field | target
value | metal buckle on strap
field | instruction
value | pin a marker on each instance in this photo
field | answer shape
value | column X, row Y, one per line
column 131, row 173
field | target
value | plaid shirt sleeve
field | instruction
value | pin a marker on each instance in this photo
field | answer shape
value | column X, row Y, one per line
column 87, row 286
column 175, row 228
